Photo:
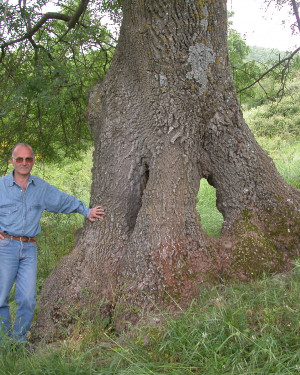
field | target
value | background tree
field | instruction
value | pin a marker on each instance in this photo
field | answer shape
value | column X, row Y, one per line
column 243, row 69
column 262, row 74
column 46, row 68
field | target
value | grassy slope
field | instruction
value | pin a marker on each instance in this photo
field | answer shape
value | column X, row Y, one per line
column 238, row 329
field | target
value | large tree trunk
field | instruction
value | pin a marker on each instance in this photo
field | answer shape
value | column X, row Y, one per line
column 165, row 116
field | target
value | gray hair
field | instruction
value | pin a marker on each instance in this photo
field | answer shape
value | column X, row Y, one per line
column 21, row 144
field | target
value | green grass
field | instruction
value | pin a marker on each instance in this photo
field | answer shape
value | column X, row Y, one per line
column 211, row 217
column 285, row 153
column 286, row 156
column 240, row 329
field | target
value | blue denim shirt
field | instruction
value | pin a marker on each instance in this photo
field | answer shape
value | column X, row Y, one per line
column 21, row 211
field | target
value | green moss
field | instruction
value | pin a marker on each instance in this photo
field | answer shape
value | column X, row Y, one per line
column 281, row 220
column 255, row 252
column 265, row 243
column 247, row 214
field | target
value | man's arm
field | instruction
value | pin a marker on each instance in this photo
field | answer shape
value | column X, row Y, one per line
column 96, row 213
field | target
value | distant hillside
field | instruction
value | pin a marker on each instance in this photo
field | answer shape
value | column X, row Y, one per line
column 265, row 55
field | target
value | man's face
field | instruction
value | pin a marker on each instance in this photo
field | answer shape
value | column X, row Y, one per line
column 22, row 160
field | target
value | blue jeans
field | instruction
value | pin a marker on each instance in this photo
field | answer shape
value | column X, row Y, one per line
column 18, row 263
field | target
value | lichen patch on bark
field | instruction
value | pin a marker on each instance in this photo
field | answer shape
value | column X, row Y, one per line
column 200, row 56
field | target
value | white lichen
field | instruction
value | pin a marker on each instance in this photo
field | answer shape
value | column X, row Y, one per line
column 204, row 21
column 200, row 56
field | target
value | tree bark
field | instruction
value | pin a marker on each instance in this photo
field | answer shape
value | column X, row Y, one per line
column 165, row 116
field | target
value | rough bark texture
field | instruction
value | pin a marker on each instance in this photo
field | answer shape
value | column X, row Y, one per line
column 165, row 116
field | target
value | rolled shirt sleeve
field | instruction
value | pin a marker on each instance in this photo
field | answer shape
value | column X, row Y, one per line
column 62, row 203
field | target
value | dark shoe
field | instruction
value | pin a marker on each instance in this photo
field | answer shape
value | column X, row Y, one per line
column 22, row 346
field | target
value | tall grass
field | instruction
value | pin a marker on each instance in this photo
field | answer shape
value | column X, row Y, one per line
column 286, row 156
column 240, row 329
column 280, row 118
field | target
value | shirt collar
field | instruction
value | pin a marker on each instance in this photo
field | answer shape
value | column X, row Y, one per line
column 12, row 181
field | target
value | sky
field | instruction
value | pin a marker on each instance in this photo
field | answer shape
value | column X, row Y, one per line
column 262, row 26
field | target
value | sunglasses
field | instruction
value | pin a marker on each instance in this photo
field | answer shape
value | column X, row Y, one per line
column 20, row 160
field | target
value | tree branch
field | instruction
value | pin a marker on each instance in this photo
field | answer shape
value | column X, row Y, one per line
column 280, row 62
column 48, row 16
column 40, row 23
column 79, row 11
column 296, row 13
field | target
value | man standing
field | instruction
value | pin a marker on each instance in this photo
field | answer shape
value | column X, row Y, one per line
column 23, row 198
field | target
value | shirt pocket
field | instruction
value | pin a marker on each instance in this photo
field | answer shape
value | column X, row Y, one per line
column 8, row 213
column 34, row 213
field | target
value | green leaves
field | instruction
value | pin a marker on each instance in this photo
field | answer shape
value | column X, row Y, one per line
column 44, row 79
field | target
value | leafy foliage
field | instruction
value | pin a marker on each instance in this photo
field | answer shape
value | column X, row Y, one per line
column 243, row 70
column 44, row 80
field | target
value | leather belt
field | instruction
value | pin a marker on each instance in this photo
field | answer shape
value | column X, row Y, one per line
column 21, row 238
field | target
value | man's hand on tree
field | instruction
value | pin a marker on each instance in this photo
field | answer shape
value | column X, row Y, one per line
column 96, row 213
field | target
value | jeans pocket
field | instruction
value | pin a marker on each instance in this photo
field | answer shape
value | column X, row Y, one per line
column 31, row 245
column 4, row 242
